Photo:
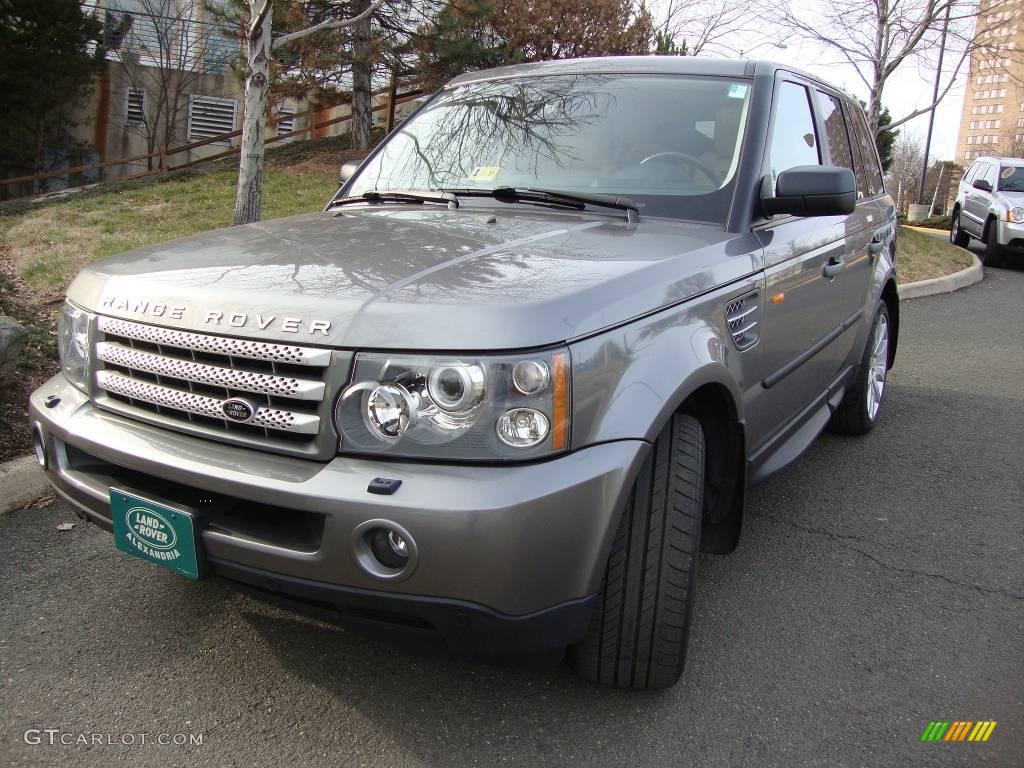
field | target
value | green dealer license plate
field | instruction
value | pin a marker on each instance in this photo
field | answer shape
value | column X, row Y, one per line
column 155, row 532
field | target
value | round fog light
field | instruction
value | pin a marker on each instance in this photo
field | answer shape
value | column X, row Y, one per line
column 385, row 550
column 39, row 445
column 522, row 427
column 389, row 548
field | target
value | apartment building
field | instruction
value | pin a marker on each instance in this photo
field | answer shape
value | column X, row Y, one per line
column 992, row 120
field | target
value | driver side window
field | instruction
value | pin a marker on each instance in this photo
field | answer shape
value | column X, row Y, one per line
column 794, row 141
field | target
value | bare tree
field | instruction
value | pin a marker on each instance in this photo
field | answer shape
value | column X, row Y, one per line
column 877, row 37
column 163, row 48
column 703, row 26
column 905, row 169
column 258, row 45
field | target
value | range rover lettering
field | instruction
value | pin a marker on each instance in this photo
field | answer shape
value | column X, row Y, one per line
column 517, row 374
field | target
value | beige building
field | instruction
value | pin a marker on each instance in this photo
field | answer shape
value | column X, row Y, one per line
column 992, row 120
column 167, row 84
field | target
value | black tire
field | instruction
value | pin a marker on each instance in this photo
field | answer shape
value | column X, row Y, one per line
column 993, row 256
column 853, row 416
column 638, row 635
column 957, row 236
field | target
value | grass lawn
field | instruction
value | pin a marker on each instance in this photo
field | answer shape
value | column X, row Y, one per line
column 43, row 245
column 920, row 256
column 50, row 245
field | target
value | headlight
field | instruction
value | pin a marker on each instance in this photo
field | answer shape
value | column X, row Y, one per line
column 73, row 344
column 1015, row 215
column 467, row 408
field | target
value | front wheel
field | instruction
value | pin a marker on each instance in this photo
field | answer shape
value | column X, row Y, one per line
column 639, row 631
column 993, row 256
column 957, row 236
column 862, row 403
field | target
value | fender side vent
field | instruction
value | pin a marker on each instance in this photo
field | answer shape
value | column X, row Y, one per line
column 742, row 315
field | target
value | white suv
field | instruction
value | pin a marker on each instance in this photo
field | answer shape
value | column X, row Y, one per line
column 990, row 207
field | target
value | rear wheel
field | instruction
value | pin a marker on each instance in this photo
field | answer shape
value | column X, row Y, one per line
column 862, row 403
column 957, row 236
column 638, row 635
column 993, row 256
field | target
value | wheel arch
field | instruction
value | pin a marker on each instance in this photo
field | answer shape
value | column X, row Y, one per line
column 725, row 464
column 989, row 220
column 891, row 297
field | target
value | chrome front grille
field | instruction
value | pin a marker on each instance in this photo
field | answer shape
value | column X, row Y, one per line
column 742, row 315
column 182, row 380
column 201, row 405
column 190, row 370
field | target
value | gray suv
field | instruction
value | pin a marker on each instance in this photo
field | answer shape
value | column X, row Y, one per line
column 989, row 206
column 518, row 373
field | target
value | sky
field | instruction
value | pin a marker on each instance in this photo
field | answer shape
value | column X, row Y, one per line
column 909, row 88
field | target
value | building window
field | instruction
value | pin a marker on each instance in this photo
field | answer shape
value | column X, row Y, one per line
column 134, row 107
column 209, row 116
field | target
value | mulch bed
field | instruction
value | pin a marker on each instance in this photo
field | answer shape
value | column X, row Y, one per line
column 38, row 360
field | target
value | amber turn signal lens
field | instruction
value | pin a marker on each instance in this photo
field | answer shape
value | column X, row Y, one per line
column 560, row 404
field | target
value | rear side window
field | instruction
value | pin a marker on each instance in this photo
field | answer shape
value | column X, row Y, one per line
column 794, row 141
column 871, row 170
column 835, row 130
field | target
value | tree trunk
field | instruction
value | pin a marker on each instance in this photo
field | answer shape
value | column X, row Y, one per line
column 362, row 71
column 249, row 195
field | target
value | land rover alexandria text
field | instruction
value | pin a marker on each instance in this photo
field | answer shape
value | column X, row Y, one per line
column 518, row 372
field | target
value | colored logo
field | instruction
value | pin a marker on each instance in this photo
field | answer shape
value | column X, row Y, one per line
column 238, row 409
column 152, row 528
column 958, row 730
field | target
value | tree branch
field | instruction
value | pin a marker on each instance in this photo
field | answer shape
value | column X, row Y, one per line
column 257, row 23
column 325, row 25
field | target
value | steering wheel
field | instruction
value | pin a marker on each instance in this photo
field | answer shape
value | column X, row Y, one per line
column 695, row 162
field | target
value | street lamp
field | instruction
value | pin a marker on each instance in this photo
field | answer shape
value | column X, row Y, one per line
column 780, row 44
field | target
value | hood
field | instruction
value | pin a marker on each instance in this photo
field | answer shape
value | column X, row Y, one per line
column 1011, row 198
column 417, row 278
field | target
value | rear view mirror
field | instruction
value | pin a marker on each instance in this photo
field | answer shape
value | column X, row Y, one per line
column 811, row 190
column 348, row 170
column 982, row 184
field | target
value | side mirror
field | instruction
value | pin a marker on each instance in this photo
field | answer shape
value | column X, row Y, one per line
column 982, row 184
column 811, row 190
column 348, row 170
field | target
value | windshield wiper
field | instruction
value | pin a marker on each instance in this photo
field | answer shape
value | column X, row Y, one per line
column 398, row 196
column 577, row 200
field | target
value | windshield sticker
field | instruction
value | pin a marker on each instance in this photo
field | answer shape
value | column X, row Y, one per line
column 1008, row 172
column 737, row 91
column 484, row 173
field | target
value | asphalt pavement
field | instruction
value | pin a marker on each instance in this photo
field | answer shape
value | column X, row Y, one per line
column 879, row 585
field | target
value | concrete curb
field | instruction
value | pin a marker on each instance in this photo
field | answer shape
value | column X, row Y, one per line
column 21, row 483
column 945, row 284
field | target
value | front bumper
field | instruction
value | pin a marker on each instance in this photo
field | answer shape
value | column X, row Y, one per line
column 510, row 556
column 1010, row 235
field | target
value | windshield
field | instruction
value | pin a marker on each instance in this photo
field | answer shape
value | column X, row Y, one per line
column 1011, row 178
column 669, row 143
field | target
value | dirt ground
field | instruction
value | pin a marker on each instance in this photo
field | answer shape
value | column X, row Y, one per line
column 38, row 359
